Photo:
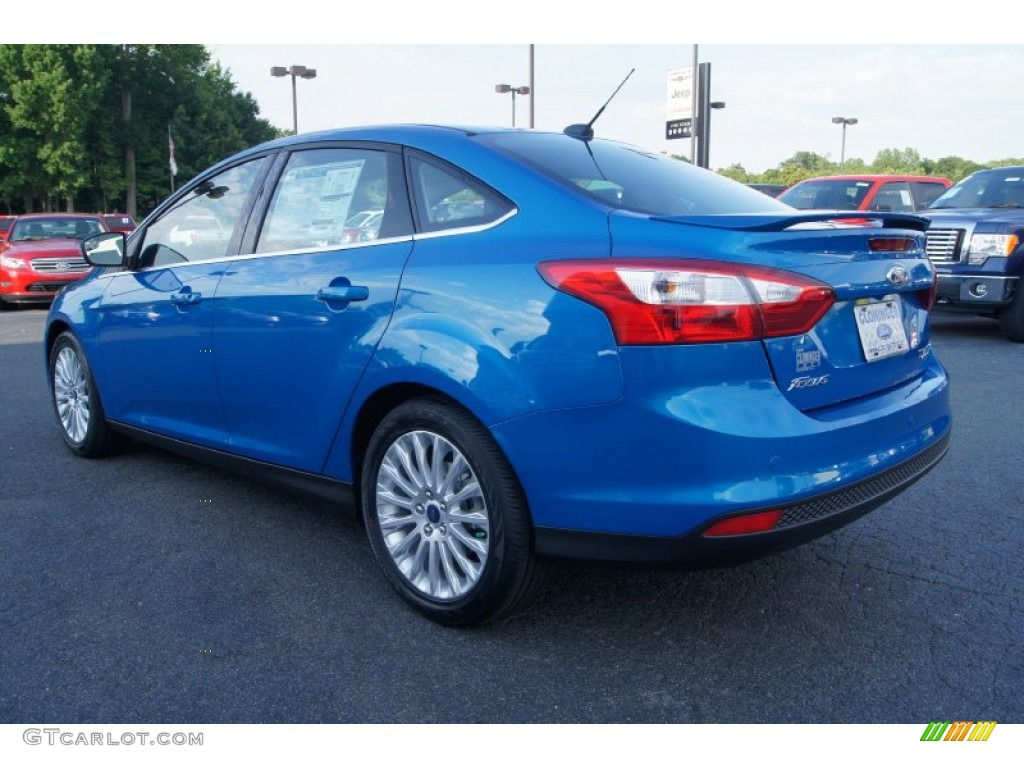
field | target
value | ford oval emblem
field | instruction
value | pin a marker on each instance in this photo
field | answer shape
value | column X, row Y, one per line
column 898, row 276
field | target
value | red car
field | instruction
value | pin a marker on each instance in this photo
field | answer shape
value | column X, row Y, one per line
column 5, row 225
column 866, row 192
column 118, row 222
column 40, row 255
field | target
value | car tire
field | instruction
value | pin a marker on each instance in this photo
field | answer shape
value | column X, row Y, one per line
column 1011, row 319
column 76, row 402
column 446, row 516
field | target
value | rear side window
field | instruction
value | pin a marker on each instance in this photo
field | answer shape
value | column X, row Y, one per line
column 446, row 198
column 927, row 192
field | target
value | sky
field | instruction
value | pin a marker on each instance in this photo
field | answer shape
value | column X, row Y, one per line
column 939, row 100
column 912, row 75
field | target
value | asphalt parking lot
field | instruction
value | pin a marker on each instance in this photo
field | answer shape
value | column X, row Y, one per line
column 149, row 589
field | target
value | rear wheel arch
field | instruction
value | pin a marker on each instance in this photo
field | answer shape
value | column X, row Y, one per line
column 466, row 555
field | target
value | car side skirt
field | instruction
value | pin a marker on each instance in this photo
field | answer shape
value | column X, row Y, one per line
column 324, row 488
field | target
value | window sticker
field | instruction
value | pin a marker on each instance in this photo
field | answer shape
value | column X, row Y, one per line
column 313, row 204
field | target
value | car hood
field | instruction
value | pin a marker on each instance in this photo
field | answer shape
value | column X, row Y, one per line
column 56, row 248
column 951, row 217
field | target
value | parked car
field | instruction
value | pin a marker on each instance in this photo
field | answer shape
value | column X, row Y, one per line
column 684, row 372
column 975, row 241
column 118, row 222
column 5, row 226
column 42, row 254
column 866, row 192
column 772, row 190
column 362, row 227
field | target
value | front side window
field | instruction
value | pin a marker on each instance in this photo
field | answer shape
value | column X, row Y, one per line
column 335, row 196
column 203, row 224
column 449, row 199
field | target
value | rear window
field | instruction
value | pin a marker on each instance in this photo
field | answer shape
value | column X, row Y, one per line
column 119, row 222
column 630, row 178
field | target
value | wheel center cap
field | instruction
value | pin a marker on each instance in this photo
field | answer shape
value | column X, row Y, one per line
column 433, row 514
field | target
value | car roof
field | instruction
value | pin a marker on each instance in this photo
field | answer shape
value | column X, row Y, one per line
column 57, row 214
column 875, row 177
column 1001, row 169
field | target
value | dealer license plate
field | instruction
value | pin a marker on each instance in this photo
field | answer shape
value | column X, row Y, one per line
column 880, row 324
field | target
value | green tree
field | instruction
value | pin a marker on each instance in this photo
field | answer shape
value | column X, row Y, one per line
column 87, row 125
column 736, row 172
column 906, row 161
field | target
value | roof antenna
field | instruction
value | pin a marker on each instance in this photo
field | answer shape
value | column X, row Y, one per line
column 586, row 131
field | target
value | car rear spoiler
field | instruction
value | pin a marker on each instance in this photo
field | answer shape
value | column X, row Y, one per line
column 773, row 222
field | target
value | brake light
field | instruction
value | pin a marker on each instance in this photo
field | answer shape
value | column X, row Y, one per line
column 692, row 302
column 897, row 244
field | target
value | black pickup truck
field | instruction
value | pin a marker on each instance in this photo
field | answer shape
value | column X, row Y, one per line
column 975, row 239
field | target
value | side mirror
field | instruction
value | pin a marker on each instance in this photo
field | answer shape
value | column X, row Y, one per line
column 105, row 249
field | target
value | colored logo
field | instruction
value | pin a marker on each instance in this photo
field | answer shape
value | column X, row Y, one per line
column 961, row 730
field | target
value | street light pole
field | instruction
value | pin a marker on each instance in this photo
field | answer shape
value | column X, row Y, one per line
column 522, row 90
column 533, row 90
column 844, row 121
column 296, row 70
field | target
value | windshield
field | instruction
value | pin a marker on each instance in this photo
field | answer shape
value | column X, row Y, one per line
column 1001, row 188
column 630, row 178
column 827, row 194
column 56, row 227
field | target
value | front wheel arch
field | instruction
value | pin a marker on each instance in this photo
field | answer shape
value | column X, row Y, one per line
column 76, row 400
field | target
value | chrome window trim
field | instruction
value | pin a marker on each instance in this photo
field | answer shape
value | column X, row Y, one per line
column 455, row 231
column 467, row 230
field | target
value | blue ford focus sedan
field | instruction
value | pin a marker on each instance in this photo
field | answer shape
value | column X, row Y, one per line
column 506, row 346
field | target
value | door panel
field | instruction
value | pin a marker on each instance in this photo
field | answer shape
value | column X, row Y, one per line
column 156, row 323
column 297, row 323
column 156, row 333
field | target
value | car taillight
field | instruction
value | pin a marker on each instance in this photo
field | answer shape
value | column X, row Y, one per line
column 690, row 302
column 927, row 296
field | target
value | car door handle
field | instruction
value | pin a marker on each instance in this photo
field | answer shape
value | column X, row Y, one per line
column 343, row 293
column 186, row 298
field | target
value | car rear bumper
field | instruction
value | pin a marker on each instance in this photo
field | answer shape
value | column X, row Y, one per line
column 667, row 461
column 800, row 522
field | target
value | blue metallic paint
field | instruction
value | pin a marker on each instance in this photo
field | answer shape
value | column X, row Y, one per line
column 634, row 440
